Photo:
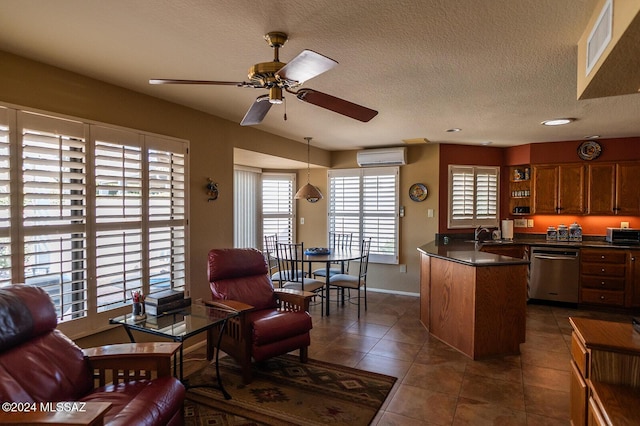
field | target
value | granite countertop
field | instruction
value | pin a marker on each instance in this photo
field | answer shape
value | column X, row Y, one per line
column 468, row 253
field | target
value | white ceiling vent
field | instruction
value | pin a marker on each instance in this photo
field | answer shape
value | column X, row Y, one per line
column 600, row 35
column 382, row 157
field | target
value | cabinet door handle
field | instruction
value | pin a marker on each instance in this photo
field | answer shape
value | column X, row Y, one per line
column 601, row 297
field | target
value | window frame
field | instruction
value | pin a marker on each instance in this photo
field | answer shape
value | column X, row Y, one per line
column 492, row 219
column 355, row 205
column 18, row 231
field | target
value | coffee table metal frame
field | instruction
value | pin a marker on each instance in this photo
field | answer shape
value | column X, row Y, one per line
column 178, row 326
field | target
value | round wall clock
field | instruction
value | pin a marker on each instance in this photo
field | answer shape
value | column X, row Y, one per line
column 589, row 150
column 418, row 192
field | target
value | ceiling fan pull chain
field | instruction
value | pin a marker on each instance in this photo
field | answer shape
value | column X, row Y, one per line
column 285, row 108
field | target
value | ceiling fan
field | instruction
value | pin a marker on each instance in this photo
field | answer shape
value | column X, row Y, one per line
column 277, row 77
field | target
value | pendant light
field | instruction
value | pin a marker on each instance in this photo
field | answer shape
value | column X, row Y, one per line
column 308, row 192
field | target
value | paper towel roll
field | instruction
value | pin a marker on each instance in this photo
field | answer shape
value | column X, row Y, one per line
column 507, row 229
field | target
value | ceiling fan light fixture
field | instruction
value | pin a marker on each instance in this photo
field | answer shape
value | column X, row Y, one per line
column 275, row 95
column 308, row 192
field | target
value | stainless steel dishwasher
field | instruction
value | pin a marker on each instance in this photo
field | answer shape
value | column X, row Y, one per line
column 555, row 274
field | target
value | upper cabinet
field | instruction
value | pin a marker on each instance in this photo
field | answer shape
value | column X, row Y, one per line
column 613, row 188
column 559, row 189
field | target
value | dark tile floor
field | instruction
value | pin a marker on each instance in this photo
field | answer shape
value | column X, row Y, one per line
column 439, row 386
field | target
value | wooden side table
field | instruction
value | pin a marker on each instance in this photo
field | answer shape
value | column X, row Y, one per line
column 605, row 379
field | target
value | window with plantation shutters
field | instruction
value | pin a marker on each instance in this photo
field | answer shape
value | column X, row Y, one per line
column 473, row 196
column 365, row 203
column 54, row 210
column 278, row 205
column 167, row 216
column 5, row 199
column 89, row 213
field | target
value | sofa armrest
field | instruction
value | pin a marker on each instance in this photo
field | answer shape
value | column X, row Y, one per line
column 293, row 300
column 130, row 361
column 72, row 413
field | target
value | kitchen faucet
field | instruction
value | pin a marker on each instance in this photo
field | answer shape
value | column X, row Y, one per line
column 478, row 231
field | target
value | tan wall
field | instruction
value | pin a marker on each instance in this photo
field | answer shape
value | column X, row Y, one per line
column 38, row 86
column 416, row 228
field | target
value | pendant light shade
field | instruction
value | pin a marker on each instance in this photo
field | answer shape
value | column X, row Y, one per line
column 308, row 192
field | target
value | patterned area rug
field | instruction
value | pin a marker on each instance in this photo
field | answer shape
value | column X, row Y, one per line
column 287, row 392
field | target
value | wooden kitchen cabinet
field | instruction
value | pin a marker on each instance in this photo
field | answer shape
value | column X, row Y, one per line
column 613, row 189
column 605, row 373
column 633, row 279
column 520, row 190
column 559, row 189
column 603, row 276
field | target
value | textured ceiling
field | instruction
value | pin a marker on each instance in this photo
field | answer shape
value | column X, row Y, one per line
column 495, row 69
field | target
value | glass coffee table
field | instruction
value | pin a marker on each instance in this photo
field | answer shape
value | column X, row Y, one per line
column 178, row 326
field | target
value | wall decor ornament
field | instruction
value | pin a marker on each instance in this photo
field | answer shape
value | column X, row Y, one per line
column 212, row 190
column 589, row 150
column 418, row 192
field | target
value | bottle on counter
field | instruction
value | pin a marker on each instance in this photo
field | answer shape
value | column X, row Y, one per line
column 551, row 234
column 563, row 233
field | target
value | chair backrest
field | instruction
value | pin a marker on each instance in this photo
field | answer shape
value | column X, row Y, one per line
column 365, row 248
column 270, row 242
column 240, row 274
column 290, row 265
column 340, row 240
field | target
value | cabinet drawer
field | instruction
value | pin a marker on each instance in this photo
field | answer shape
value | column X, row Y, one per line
column 603, row 269
column 579, row 355
column 602, row 297
column 603, row 283
column 603, row 256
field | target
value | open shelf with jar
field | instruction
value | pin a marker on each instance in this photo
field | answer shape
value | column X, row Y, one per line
column 520, row 190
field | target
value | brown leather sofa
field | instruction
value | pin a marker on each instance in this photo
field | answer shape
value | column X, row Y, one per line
column 271, row 322
column 40, row 364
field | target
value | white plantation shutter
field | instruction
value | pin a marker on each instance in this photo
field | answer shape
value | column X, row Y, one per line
column 54, row 210
column 89, row 213
column 119, row 200
column 365, row 202
column 5, row 199
column 278, row 205
column 473, row 196
column 167, row 213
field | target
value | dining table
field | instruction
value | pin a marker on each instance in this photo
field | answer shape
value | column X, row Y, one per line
column 338, row 255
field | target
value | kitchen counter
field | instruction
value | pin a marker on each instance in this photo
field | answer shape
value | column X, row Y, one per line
column 468, row 253
column 472, row 300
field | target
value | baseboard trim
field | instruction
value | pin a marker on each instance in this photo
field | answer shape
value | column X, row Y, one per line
column 387, row 291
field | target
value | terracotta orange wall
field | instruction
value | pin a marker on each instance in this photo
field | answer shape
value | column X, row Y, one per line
column 619, row 149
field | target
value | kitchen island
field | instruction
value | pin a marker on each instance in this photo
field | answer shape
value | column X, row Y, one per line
column 472, row 300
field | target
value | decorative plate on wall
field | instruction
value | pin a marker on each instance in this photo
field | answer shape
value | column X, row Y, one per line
column 589, row 150
column 418, row 192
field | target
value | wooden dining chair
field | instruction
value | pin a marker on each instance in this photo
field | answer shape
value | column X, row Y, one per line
column 337, row 241
column 291, row 269
column 355, row 282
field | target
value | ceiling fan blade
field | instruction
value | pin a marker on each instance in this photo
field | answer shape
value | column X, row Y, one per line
column 219, row 83
column 338, row 105
column 257, row 111
column 305, row 66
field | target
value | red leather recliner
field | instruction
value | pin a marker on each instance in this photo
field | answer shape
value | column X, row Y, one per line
column 40, row 364
column 271, row 322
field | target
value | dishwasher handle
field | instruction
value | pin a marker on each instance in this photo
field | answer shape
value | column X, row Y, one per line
column 556, row 257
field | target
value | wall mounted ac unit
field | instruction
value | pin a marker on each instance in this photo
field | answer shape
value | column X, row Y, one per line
column 382, row 157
